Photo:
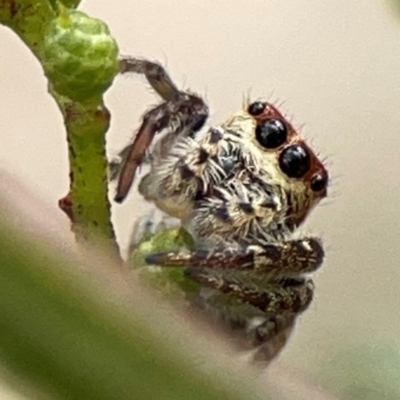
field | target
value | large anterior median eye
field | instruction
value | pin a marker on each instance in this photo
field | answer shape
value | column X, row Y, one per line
column 294, row 161
column 271, row 133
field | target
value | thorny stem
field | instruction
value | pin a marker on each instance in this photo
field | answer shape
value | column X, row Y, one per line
column 86, row 120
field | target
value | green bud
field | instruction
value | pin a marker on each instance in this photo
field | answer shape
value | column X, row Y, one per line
column 80, row 57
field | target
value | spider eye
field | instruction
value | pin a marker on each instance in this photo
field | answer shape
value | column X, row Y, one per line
column 318, row 182
column 271, row 133
column 294, row 161
column 256, row 108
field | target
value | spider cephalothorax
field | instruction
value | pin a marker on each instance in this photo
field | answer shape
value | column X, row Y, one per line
column 240, row 189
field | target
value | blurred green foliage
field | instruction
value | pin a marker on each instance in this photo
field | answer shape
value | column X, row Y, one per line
column 395, row 5
column 362, row 371
column 66, row 341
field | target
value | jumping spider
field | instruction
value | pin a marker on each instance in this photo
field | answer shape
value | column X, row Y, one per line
column 241, row 189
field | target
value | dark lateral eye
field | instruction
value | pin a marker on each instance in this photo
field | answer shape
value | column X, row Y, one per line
column 256, row 108
column 318, row 182
column 271, row 133
column 294, row 161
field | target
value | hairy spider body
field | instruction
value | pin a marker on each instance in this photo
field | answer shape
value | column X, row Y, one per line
column 241, row 189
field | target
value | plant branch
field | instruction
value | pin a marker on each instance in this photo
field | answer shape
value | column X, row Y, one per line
column 79, row 57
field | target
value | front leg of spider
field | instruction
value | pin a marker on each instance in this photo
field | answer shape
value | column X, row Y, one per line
column 258, row 277
column 275, row 260
column 179, row 112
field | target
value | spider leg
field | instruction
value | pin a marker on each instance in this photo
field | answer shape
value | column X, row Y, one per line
column 280, row 304
column 142, row 228
column 179, row 112
column 290, row 257
column 247, row 327
column 188, row 111
column 293, row 295
column 154, row 73
column 272, row 346
column 271, row 335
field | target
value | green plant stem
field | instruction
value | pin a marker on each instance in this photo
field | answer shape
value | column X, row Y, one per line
column 86, row 127
column 86, row 123
column 28, row 19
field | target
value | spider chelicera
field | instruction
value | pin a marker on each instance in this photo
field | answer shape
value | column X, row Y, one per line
column 241, row 189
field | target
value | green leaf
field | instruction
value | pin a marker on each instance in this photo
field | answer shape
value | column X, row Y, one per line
column 364, row 371
column 68, row 333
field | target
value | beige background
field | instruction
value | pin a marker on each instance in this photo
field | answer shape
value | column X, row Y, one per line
column 337, row 66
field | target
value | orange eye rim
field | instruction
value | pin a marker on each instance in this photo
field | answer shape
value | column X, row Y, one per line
column 316, row 168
